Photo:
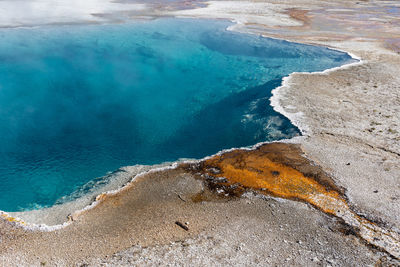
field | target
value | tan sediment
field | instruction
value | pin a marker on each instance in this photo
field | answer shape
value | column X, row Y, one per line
column 300, row 15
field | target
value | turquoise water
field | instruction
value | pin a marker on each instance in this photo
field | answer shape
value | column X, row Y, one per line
column 77, row 102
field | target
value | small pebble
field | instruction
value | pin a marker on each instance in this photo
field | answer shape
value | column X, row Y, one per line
column 315, row 259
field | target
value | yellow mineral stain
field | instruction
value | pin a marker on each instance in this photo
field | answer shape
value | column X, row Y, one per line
column 12, row 219
column 101, row 197
column 277, row 179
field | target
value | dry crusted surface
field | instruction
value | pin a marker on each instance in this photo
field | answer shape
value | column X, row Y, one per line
column 352, row 123
column 355, row 136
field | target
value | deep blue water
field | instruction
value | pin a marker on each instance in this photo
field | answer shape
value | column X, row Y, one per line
column 79, row 101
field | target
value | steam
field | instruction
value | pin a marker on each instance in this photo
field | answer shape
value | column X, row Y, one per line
column 15, row 13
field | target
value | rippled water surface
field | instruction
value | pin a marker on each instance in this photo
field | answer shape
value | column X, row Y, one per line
column 79, row 101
